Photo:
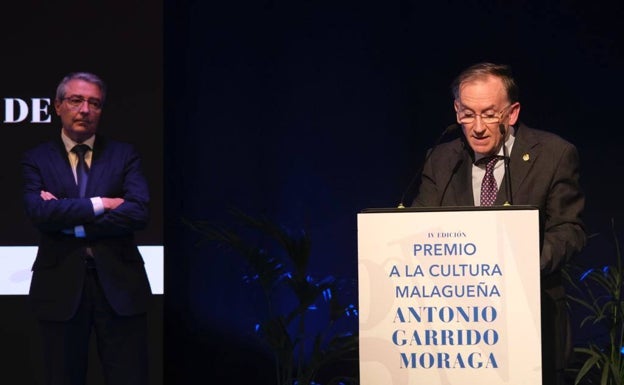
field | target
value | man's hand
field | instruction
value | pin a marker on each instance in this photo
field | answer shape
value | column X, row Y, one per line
column 111, row 203
column 47, row 196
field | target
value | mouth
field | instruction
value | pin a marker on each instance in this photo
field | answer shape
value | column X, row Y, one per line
column 480, row 138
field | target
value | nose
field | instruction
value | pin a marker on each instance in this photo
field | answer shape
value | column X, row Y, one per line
column 478, row 125
column 84, row 107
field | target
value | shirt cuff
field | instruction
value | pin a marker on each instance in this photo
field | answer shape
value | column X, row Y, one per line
column 79, row 231
column 98, row 205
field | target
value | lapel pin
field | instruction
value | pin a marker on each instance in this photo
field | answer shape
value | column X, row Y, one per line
column 526, row 157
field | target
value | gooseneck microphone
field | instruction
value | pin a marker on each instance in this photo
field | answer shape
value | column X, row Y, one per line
column 507, row 177
column 447, row 130
column 458, row 164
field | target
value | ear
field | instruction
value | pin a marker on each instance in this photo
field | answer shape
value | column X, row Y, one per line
column 456, row 107
column 57, row 106
column 514, row 114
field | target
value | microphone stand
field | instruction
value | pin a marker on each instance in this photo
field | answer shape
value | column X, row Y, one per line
column 446, row 131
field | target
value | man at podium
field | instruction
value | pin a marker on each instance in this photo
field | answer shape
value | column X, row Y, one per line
column 500, row 161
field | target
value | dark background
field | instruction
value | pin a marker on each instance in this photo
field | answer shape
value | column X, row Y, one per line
column 310, row 111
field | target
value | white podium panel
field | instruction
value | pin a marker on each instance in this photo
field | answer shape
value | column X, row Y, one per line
column 449, row 297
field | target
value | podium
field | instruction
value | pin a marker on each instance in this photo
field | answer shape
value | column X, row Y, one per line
column 449, row 295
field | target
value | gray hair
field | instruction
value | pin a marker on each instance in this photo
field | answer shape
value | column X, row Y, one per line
column 482, row 70
column 85, row 76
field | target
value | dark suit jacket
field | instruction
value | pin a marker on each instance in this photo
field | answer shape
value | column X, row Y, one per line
column 544, row 172
column 59, row 268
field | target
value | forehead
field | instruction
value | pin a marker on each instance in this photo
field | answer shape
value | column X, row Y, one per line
column 83, row 88
column 482, row 92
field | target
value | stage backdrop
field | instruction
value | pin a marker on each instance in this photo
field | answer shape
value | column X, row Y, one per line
column 41, row 43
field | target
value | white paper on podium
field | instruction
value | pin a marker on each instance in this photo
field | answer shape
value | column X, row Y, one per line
column 449, row 297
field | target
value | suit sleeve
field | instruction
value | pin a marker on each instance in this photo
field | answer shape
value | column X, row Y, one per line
column 52, row 215
column 440, row 168
column 133, row 214
column 564, row 233
column 428, row 189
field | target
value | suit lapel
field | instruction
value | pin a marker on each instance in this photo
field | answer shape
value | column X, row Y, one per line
column 96, row 170
column 463, row 177
column 523, row 155
column 57, row 158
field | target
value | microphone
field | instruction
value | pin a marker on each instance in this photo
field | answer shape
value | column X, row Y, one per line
column 447, row 130
column 507, row 178
column 448, row 183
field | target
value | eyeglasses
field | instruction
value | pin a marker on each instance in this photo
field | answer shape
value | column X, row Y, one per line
column 75, row 102
column 490, row 117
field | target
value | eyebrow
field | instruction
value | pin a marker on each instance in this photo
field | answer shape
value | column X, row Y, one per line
column 464, row 107
column 82, row 96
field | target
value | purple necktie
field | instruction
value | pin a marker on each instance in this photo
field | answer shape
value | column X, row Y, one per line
column 489, row 189
column 82, row 169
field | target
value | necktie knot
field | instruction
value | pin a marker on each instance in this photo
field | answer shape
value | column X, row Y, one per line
column 80, row 150
column 489, row 161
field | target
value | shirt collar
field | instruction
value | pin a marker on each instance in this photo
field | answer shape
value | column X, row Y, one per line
column 69, row 144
